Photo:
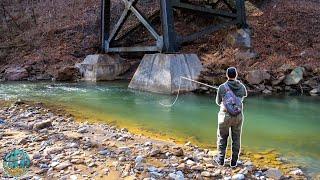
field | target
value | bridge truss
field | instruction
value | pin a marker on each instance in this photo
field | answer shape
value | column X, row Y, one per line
column 166, row 40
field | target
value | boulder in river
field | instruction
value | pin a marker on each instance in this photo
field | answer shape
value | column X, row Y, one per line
column 257, row 76
column 101, row 67
column 295, row 76
column 16, row 74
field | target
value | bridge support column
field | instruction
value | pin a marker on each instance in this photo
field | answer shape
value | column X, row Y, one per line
column 161, row 73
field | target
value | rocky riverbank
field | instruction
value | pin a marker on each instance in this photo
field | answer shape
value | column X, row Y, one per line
column 62, row 148
column 285, row 79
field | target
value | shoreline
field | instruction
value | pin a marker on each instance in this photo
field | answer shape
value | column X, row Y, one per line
column 143, row 157
column 253, row 89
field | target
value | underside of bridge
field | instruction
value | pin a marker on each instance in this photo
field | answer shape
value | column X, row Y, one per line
column 166, row 39
column 162, row 71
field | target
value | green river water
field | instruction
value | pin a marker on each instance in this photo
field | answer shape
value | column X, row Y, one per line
column 288, row 124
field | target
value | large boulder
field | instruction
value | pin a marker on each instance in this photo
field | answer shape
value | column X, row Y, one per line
column 16, row 74
column 315, row 91
column 241, row 38
column 257, row 76
column 68, row 73
column 161, row 73
column 101, row 67
column 295, row 76
column 278, row 80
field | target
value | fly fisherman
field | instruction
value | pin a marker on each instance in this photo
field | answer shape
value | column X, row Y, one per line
column 229, row 97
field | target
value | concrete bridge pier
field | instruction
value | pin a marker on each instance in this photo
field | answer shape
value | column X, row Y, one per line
column 161, row 73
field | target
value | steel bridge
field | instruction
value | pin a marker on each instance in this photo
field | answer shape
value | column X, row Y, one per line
column 166, row 41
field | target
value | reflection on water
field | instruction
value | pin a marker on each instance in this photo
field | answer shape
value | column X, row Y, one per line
column 287, row 124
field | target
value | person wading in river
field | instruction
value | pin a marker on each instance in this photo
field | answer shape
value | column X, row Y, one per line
column 229, row 97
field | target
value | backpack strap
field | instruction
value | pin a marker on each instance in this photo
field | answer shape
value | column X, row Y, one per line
column 226, row 87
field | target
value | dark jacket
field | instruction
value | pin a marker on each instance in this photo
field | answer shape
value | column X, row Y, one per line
column 237, row 88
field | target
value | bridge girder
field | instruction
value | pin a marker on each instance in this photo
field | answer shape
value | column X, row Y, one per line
column 169, row 41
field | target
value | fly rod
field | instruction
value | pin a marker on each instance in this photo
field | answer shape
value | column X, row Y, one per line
column 177, row 96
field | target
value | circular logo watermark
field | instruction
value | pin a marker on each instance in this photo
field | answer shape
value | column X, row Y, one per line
column 16, row 163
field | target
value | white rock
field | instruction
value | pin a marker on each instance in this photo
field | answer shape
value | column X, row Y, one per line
column 315, row 92
column 248, row 163
column 63, row 165
column 121, row 139
column 73, row 145
column 54, row 164
column 262, row 177
column 73, row 177
column 190, row 162
column 188, row 144
column 104, row 152
column 155, row 152
column 148, row 143
column 53, row 150
column 176, row 176
column 139, row 159
column 216, row 172
column 36, row 155
column 238, row 177
column 91, row 164
column 121, row 159
column 205, row 174
column 258, row 174
column 123, row 149
column 180, row 175
column 212, row 153
column 295, row 76
column 37, row 178
column 83, row 129
column 197, row 167
column 152, row 169
column 297, row 172
column 156, row 174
